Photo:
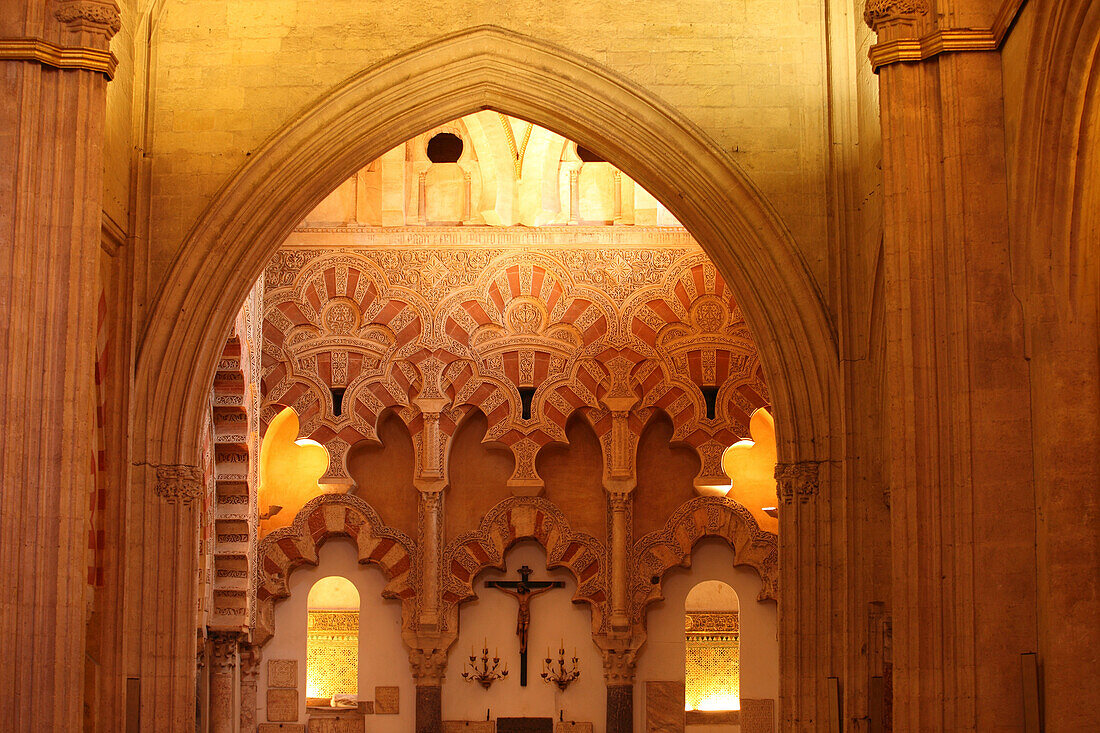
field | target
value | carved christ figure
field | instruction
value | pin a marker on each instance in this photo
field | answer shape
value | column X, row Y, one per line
column 523, row 590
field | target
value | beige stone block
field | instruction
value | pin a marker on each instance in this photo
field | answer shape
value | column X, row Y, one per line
column 757, row 716
column 664, row 707
column 281, row 728
column 387, row 700
column 282, row 673
column 282, row 705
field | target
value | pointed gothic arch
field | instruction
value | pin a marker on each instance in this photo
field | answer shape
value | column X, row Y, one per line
column 483, row 68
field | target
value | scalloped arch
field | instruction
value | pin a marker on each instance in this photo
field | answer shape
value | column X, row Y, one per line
column 706, row 516
column 481, row 68
column 324, row 517
column 519, row 518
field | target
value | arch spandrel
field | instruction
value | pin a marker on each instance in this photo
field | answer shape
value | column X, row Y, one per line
column 484, row 68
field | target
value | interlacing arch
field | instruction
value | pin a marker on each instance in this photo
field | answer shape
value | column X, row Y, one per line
column 518, row 518
column 324, row 517
column 706, row 516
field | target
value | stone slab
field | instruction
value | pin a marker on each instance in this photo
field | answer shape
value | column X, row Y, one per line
column 282, row 673
column 572, row 726
column 387, row 700
column 664, row 707
column 469, row 726
column 349, row 721
column 757, row 716
column 282, row 705
column 525, row 725
column 281, row 728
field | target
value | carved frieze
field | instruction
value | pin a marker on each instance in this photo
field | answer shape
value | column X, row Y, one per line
column 796, row 481
column 179, row 483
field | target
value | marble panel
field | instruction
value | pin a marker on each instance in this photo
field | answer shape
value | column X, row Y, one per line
column 282, row 705
column 757, row 716
column 282, row 673
column 387, row 700
column 664, row 707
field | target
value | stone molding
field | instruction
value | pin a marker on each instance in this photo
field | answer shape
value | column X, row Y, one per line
column 332, row 515
column 518, row 518
column 179, row 483
column 58, row 57
column 880, row 13
column 705, row 516
column 798, row 480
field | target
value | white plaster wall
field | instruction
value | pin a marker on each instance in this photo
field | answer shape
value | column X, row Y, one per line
column 553, row 617
column 663, row 655
column 383, row 659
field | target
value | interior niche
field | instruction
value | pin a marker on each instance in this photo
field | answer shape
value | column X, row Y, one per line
column 384, row 474
column 574, row 477
column 665, row 475
column 478, row 476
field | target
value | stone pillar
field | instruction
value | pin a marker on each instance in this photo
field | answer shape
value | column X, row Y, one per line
column 620, row 503
column 431, row 533
column 251, row 655
column 223, row 666
column 428, row 666
column 961, row 496
column 50, row 202
column 618, row 668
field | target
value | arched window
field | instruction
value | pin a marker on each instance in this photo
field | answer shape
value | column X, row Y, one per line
column 332, row 640
column 713, row 659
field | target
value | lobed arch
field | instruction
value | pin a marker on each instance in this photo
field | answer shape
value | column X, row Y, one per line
column 482, row 68
column 659, row 551
column 520, row 518
column 324, row 517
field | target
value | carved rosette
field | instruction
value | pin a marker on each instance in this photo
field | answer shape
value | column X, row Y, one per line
column 179, row 483
column 796, row 481
column 90, row 16
column 879, row 12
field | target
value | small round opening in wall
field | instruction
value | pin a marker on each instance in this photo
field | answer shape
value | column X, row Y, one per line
column 588, row 156
column 446, row 147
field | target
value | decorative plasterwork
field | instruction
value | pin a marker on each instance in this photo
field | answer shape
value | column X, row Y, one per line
column 433, row 332
column 514, row 519
column 705, row 516
column 328, row 516
column 179, row 483
column 877, row 13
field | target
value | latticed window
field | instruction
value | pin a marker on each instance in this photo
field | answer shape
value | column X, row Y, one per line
column 713, row 655
column 332, row 639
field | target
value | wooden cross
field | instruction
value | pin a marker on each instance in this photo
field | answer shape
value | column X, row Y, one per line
column 523, row 590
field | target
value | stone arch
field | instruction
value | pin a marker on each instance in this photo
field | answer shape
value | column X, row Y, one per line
column 706, row 516
column 520, row 518
column 327, row 516
column 483, row 68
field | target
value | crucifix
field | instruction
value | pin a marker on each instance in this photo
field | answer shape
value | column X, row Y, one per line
column 523, row 590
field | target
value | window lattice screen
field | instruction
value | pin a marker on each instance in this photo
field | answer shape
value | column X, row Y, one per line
column 332, row 653
column 713, row 672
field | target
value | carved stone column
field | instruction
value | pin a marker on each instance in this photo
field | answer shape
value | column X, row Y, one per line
column 431, row 533
column 428, row 667
column 223, row 665
column 51, row 173
column 618, row 667
column 620, row 504
column 251, row 655
column 962, row 505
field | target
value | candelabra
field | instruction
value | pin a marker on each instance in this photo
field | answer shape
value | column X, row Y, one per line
column 555, row 671
column 485, row 674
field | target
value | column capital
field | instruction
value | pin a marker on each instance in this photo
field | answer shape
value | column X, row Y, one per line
column 618, row 665
column 179, row 483
column 797, row 480
column 224, row 655
column 428, row 665
column 90, row 16
column 877, row 13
